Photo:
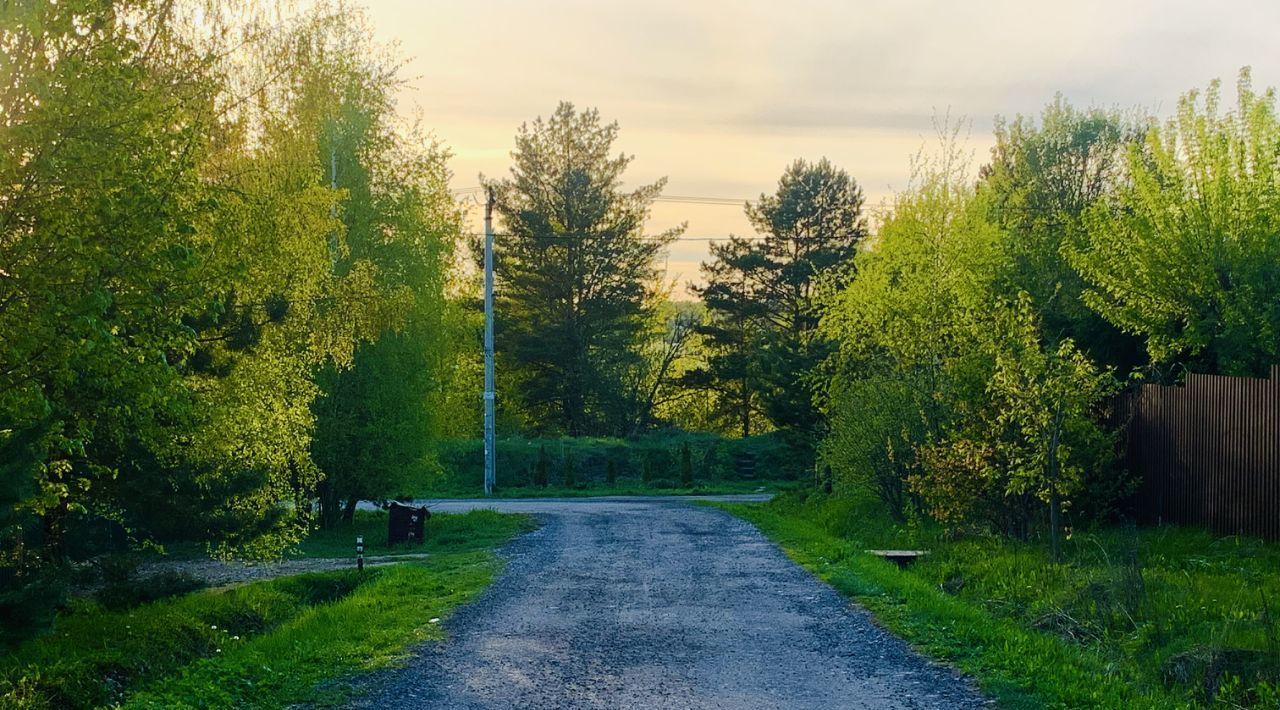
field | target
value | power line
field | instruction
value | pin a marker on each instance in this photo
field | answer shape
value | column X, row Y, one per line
column 689, row 200
column 678, row 199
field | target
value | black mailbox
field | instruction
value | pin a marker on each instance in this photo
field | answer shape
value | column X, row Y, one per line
column 406, row 524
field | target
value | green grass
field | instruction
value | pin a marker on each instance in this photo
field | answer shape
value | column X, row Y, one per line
column 267, row 644
column 623, row 487
column 1151, row 618
column 477, row 530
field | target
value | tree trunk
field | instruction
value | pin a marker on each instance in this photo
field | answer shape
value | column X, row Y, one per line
column 1055, row 501
column 330, row 506
column 349, row 510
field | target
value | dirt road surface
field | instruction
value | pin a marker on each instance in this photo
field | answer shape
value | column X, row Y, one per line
column 657, row 603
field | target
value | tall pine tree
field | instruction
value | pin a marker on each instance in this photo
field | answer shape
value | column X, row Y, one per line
column 760, row 295
column 576, row 274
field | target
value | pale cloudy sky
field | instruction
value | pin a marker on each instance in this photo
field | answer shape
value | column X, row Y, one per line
column 719, row 97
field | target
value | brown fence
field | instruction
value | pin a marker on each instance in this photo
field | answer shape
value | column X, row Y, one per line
column 1208, row 453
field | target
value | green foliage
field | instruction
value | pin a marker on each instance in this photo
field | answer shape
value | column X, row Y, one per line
column 376, row 417
column 97, row 655
column 1017, row 448
column 759, row 336
column 1128, row 618
column 577, row 276
column 948, row 392
column 1042, row 180
column 873, row 430
column 1185, row 252
column 176, row 272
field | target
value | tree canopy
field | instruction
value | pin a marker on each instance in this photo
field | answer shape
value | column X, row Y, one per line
column 576, row 274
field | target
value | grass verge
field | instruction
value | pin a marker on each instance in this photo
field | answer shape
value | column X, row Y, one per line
column 1151, row 618
column 476, row 530
column 266, row 644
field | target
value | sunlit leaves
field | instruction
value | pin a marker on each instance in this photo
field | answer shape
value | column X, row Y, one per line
column 1187, row 253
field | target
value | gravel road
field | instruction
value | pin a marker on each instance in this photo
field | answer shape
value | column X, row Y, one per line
column 655, row 603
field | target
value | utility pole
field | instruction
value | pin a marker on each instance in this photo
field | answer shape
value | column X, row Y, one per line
column 490, row 450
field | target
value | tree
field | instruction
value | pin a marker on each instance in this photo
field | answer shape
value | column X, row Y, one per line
column 1186, row 255
column 1042, row 179
column 1044, row 396
column 576, row 274
column 105, row 128
column 732, row 333
column 376, row 417
column 686, row 466
column 661, row 385
column 760, row 295
column 1022, row 446
column 905, row 363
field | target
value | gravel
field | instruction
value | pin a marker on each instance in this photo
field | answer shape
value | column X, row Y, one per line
column 654, row 603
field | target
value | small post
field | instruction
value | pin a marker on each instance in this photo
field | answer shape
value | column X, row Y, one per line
column 360, row 553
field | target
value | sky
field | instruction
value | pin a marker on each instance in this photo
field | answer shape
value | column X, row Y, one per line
column 720, row 97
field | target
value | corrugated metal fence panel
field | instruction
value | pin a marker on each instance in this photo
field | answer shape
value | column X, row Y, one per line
column 1207, row 452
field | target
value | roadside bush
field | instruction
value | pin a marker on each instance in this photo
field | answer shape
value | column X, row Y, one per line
column 875, row 426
